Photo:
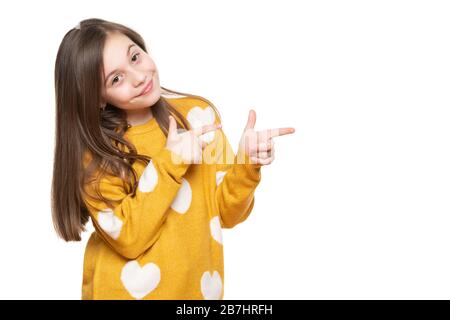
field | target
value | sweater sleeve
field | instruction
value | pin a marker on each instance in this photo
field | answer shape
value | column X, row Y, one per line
column 134, row 224
column 236, row 181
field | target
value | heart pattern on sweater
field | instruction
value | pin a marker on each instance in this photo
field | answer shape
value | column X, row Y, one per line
column 199, row 117
column 183, row 199
column 211, row 285
column 140, row 281
column 216, row 230
column 219, row 176
column 110, row 223
column 149, row 178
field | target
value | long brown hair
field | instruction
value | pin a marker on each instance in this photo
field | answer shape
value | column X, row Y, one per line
column 83, row 128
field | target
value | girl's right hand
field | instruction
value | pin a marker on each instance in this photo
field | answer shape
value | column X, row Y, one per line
column 188, row 144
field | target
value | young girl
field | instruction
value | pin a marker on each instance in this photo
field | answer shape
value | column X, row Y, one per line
column 149, row 166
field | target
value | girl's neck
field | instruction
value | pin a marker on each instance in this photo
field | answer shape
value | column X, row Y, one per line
column 139, row 116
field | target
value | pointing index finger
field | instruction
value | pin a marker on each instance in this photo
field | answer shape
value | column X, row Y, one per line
column 270, row 133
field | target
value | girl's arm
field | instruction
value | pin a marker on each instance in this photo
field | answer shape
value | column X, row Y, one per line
column 238, row 176
column 134, row 224
column 236, row 182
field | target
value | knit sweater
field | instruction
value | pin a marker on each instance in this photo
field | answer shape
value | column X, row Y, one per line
column 166, row 241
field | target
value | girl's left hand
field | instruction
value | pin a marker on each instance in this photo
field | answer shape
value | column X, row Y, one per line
column 258, row 145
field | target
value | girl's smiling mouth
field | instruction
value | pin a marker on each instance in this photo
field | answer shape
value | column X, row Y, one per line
column 147, row 88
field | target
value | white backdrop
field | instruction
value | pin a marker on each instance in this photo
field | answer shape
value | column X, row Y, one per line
column 355, row 205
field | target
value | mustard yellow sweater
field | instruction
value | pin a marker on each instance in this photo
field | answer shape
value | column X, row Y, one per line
column 166, row 242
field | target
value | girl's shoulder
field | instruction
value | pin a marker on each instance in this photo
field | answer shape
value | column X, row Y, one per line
column 188, row 100
column 194, row 107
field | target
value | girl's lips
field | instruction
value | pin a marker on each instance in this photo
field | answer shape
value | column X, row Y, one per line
column 147, row 89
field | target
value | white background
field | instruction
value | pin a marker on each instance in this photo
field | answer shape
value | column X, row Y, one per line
column 355, row 205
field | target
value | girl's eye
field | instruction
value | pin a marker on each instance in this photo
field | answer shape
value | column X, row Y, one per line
column 137, row 54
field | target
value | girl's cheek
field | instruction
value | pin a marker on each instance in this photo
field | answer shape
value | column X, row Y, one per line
column 148, row 64
column 124, row 93
column 130, row 94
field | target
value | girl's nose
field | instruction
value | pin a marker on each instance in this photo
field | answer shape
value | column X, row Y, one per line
column 138, row 79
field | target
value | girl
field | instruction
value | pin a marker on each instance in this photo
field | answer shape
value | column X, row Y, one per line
column 149, row 166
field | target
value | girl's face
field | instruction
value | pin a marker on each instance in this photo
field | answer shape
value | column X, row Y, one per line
column 128, row 72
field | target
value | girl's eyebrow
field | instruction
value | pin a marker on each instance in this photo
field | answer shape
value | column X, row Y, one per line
column 128, row 52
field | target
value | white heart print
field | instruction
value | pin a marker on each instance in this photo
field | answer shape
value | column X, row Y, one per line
column 183, row 199
column 199, row 117
column 211, row 285
column 149, row 178
column 140, row 281
column 219, row 176
column 216, row 230
column 111, row 224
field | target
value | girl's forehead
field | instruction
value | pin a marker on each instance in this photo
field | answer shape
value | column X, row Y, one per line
column 116, row 41
column 115, row 52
